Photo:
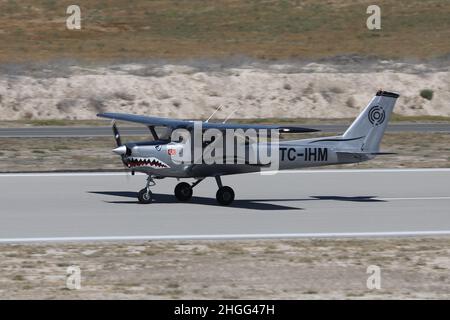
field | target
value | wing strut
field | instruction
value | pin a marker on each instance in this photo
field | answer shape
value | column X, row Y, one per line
column 153, row 132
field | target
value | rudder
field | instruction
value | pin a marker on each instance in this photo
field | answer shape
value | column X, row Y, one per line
column 366, row 132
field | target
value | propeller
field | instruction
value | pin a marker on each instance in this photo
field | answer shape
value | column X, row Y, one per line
column 121, row 149
column 116, row 134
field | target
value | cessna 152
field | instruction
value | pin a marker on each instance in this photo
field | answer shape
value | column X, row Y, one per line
column 159, row 158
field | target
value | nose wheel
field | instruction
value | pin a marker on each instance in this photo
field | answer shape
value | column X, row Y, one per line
column 145, row 195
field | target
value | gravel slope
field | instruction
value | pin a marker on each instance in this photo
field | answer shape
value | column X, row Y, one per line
column 329, row 89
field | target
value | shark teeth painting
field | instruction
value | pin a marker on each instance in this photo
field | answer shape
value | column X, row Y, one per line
column 146, row 162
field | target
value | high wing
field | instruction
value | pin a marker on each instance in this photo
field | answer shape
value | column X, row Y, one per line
column 188, row 124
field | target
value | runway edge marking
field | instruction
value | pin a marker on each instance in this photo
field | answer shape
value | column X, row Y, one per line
column 232, row 236
column 82, row 174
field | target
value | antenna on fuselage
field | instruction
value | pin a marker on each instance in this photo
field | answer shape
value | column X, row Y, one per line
column 220, row 106
column 229, row 116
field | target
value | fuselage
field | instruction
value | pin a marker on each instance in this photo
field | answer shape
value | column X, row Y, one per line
column 156, row 158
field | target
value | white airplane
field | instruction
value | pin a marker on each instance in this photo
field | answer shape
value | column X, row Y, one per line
column 156, row 158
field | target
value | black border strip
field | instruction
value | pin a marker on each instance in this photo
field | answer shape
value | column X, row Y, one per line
column 388, row 94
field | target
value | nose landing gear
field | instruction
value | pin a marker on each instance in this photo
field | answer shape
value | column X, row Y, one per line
column 145, row 195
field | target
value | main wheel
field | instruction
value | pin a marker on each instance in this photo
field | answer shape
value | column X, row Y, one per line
column 183, row 191
column 144, row 196
column 225, row 196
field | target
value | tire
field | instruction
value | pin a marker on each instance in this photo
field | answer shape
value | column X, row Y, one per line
column 225, row 196
column 144, row 197
column 183, row 192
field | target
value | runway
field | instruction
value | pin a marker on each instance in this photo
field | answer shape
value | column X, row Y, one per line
column 48, row 132
column 315, row 203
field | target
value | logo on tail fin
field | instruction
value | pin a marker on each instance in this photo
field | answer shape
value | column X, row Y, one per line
column 376, row 115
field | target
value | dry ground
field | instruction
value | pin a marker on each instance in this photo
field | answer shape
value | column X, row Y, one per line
column 273, row 58
column 251, row 89
column 33, row 30
column 271, row 269
column 414, row 150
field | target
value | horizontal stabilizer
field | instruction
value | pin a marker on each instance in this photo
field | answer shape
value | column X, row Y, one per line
column 382, row 153
column 365, row 153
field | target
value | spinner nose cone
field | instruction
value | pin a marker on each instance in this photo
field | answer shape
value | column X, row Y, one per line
column 120, row 150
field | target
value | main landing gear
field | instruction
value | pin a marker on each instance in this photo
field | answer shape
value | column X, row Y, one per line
column 225, row 195
column 183, row 192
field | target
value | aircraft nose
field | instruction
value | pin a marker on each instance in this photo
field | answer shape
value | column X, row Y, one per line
column 120, row 150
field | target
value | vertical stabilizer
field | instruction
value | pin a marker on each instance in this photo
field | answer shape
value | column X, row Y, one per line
column 366, row 131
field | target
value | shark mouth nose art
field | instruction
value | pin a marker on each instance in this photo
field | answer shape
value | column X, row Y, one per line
column 155, row 163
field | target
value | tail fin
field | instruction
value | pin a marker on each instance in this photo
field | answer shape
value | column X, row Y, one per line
column 366, row 131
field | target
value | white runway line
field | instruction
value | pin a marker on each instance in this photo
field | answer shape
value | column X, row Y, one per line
column 232, row 236
column 65, row 174
column 392, row 170
column 83, row 174
column 372, row 198
column 415, row 198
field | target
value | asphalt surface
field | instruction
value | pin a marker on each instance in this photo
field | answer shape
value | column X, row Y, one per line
column 100, row 206
column 31, row 132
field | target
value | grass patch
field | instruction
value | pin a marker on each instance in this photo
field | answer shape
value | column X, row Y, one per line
column 173, row 285
column 419, row 119
column 185, row 29
column 426, row 94
column 311, row 292
column 18, row 277
column 413, row 149
column 395, row 118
